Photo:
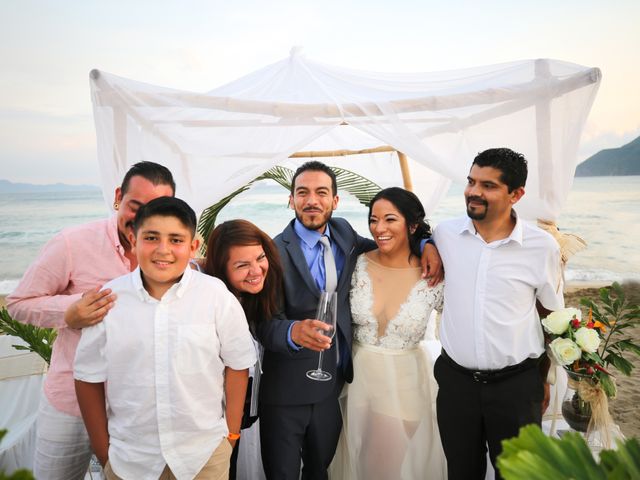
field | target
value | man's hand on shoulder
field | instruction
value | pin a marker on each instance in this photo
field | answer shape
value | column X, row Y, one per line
column 431, row 262
column 90, row 309
column 307, row 334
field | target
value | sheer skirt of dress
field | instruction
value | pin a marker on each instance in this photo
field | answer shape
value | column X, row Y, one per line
column 389, row 423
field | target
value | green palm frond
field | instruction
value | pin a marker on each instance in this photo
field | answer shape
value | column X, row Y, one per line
column 39, row 340
column 357, row 185
column 280, row 175
column 208, row 218
column 360, row 187
column 534, row 456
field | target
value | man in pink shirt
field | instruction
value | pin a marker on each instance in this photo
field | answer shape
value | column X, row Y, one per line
column 61, row 289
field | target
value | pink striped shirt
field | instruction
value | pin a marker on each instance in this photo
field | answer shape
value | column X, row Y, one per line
column 74, row 261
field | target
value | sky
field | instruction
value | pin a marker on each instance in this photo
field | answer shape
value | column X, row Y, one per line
column 47, row 49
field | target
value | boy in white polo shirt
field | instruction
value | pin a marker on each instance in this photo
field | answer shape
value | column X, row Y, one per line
column 175, row 352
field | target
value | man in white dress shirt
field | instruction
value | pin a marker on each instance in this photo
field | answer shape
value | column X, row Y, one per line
column 175, row 351
column 499, row 271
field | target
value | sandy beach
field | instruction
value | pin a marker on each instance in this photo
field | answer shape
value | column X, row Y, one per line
column 624, row 408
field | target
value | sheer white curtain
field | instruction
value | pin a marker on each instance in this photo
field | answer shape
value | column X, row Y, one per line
column 215, row 142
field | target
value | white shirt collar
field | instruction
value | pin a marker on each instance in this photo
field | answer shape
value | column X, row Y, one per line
column 176, row 289
column 515, row 235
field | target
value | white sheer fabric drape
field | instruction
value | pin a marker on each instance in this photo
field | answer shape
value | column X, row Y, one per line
column 217, row 141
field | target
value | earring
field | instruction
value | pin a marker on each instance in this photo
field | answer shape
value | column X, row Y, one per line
column 115, row 205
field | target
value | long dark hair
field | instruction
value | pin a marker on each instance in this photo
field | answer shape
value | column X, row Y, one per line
column 410, row 207
column 263, row 305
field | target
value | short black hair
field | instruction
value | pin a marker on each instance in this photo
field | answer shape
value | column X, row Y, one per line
column 315, row 166
column 512, row 165
column 155, row 173
column 166, row 207
column 411, row 208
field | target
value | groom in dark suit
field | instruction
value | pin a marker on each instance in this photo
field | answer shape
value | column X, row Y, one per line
column 300, row 418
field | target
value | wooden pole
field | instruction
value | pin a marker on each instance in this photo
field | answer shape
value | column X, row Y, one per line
column 342, row 153
column 404, row 168
column 402, row 158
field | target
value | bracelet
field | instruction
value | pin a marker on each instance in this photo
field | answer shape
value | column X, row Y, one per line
column 233, row 436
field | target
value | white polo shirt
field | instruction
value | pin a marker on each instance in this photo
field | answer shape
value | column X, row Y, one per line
column 164, row 362
column 490, row 319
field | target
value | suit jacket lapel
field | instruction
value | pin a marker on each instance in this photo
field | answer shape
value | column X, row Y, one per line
column 297, row 258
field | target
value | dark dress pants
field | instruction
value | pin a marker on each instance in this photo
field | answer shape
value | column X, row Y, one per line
column 291, row 433
column 472, row 415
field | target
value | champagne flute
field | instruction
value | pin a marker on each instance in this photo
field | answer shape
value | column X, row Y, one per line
column 327, row 313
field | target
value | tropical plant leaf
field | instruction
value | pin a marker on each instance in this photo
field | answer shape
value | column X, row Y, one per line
column 281, row 175
column 39, row 340
column 622, row 326
column 534, row 456
column 632, row 316
column 624, row 462
column 360, row 187
column 604, row 295
column 627, row 344
column 623, row 365
column 592, row 356
column 608, row 385
column 208, row 218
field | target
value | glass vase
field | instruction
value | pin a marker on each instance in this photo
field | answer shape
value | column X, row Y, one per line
column 575, row 410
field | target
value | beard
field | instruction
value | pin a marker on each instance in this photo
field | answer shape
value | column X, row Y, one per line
column 477, row 214
column 319, row 221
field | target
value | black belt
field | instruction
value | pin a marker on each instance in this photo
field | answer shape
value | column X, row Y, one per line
column 492, row 376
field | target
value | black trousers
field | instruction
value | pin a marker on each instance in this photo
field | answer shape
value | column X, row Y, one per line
column 291, row 433
column 472, row 415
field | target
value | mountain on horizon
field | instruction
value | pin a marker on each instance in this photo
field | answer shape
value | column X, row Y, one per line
column 9, row 187
column 624, row 160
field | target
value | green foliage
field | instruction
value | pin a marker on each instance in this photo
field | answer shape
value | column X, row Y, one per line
column 21, row 474
column 617, row 314
column 39, row 340
column 534, row 456
column 363, row 189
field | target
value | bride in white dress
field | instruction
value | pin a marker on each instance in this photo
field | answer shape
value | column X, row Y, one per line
column 389, row 423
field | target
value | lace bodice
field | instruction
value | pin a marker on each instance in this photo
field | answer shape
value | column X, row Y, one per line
column 407, row 328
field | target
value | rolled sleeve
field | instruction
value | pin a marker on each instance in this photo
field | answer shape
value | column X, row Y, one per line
column 551, row 292
column 39, row 298
column 90, row 363
column 236, row 345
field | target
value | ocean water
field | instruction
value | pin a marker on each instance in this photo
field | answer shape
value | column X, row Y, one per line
column 604, row 211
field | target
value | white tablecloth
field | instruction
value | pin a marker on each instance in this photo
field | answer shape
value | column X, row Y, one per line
column 21, row 379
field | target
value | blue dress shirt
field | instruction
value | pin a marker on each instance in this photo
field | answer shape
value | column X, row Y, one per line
column 312, row 251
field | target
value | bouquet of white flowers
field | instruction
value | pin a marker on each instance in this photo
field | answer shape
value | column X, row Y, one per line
column 588, row 348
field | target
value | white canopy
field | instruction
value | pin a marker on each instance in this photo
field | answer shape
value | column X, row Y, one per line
column 217, row 141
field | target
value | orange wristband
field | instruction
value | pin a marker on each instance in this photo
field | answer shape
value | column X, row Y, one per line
column 233, row 436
